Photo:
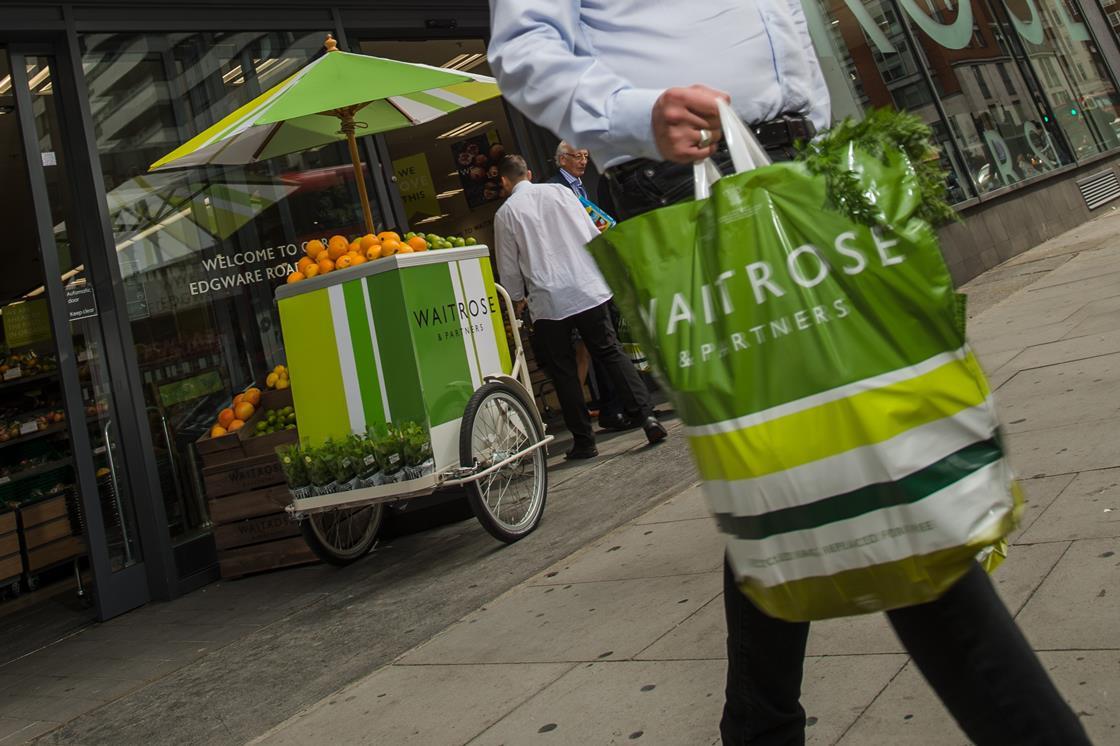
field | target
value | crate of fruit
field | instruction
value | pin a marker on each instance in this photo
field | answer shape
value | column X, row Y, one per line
column 268, row 429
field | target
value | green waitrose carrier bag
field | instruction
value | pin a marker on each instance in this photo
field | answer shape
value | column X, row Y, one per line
column 844, row 431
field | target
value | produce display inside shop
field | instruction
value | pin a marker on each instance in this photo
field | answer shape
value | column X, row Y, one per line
column 41, row 516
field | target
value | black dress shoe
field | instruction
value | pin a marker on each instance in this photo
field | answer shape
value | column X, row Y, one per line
column 655, row 431
column 581, row 453
column 617, row 422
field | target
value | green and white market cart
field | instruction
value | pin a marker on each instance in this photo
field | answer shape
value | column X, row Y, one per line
column 415, row 338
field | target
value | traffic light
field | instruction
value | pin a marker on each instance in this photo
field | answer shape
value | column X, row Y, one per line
column 1073, row 111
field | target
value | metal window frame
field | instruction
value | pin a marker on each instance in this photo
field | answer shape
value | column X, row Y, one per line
column 119, row 591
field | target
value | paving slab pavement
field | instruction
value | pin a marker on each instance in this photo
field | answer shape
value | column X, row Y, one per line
column 623, row 641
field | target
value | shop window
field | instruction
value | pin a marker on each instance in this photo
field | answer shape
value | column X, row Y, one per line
column 868, row 63
column 981, row 84
column 446, row 170
column 1008, row 83
column 1058, row 46
column 201, row 251
column 1002, row 135
column 43, row 518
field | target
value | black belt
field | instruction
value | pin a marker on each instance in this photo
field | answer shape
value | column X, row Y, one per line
column 776, row 133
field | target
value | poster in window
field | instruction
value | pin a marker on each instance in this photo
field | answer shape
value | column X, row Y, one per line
column 414, row 179
column 476, row 159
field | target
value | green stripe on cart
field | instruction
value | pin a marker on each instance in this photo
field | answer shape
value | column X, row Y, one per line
column 364, row 358
column 398, row 360
column 499, row 326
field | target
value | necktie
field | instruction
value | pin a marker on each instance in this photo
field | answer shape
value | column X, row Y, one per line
column 579, row 189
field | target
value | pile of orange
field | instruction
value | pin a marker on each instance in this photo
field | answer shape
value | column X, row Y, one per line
column 233, row 418
column 340, row 253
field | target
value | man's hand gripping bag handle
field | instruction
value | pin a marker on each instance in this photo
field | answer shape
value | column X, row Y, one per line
column 746, row 153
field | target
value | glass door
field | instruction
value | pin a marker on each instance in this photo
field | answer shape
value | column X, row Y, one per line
column 75, row 307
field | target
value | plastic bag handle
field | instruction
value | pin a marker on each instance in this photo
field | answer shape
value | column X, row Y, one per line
column 746, row 153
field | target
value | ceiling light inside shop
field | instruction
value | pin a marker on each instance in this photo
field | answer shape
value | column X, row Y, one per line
column 232, row 75
column 432, row 219
column 174, row 218
column 449, row 193
column 464, row 129
column 65, row 276
column 465, row 61
column 454, row 60
column 274, row 69
column 38, row 78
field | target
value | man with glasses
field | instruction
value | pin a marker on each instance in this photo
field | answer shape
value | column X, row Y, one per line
column 573, row 165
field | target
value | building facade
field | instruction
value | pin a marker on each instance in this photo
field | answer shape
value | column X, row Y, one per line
column 150, row 297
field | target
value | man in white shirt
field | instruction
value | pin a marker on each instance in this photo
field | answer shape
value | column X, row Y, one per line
column 540, row 234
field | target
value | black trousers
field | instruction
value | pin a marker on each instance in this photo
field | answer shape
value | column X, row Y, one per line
column 597, row 330
column 966, row 644
column 610, row 404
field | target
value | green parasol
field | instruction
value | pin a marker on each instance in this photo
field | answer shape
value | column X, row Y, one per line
column 328, row 101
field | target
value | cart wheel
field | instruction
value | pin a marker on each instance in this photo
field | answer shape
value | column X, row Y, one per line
column 342, row 536
column 509, row 502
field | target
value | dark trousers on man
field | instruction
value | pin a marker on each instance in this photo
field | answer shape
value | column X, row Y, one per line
column 966, row 644
column 598, row 333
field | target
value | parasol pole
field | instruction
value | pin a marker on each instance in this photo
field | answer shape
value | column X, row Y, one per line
column 348, row 127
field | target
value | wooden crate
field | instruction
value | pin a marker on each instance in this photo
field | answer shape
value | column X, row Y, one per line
column 54, row 553
column 11, row 561
column 235, row 563
column 249, row 504
column 274, row 399
column 43, row 511
column 9, row 544
column 218, row 451
column 242, row 475
column 48, row 534
column 11, row 567
column 254, row 533
column 264, row 445
column 45, row 533
column 266, row 528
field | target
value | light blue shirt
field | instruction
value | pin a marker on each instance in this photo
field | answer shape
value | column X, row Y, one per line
column 575, row 183
column 591, row 70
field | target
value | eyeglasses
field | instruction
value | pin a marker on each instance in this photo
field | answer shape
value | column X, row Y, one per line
column 583, row 156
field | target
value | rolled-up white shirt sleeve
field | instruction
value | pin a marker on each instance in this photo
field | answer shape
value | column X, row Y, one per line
column 509, row 262
column 545, row 70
